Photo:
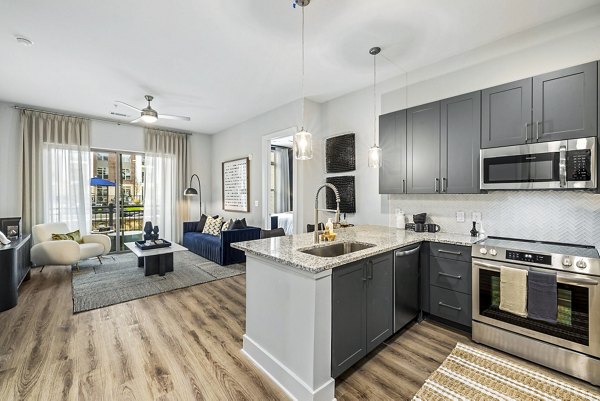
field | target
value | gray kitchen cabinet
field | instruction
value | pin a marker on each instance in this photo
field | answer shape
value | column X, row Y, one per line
column 506, row 114
column 392, row 139
column 460, row 140
column 348, row 318
column 565, row 104
column 424, row 276
column 380, row 300
column 423, row 149
column 362, row 309
column 450, row 283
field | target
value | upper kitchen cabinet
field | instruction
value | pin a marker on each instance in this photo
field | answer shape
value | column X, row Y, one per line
column 565, row 104
column 460, row 140
column 392, row 139
column 423, row 149
column 506, row 114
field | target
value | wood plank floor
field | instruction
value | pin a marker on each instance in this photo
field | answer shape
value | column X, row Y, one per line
column 183, row 345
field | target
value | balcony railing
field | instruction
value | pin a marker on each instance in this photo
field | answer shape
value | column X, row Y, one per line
column 104, row 218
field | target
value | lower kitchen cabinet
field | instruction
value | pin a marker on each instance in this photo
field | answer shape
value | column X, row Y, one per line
column 450, row 283
column 362, row 315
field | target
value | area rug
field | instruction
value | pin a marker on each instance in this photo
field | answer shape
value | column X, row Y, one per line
column 119, row 279
column 471, row 374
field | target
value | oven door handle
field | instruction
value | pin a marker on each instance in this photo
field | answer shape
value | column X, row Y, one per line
column 562, row 278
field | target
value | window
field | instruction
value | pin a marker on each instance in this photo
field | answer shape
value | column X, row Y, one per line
column 126, row 174
column 102, row 172
column 101, row 156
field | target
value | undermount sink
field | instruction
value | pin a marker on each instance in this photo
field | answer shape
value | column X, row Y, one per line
column 337, row 249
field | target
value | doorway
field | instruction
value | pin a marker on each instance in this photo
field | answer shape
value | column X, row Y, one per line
column 280, row 203
column 117, row 196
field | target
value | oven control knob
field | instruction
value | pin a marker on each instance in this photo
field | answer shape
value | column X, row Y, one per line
column 493, row 252
column 482, row 251
column 581, row 264
column 567, row 262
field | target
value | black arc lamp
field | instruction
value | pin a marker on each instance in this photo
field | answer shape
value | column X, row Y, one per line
column 191, row 191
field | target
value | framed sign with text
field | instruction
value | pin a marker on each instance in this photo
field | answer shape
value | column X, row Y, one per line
column 236, row 185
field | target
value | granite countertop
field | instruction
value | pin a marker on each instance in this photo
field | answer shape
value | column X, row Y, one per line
column 286, row 250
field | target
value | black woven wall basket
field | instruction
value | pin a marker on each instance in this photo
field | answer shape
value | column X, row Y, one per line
column 345, row 186
column 340, row 154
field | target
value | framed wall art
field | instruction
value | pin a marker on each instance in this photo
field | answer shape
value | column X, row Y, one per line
column 345, row 186
column 340, row 153
column 236, row 185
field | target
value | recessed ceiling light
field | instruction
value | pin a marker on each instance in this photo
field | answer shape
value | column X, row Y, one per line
column 24, row 41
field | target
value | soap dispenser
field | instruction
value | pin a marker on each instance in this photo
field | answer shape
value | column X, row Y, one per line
column 329, row 226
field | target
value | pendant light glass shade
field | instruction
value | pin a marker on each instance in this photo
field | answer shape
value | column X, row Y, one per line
column 303, row 149
column 375, row 157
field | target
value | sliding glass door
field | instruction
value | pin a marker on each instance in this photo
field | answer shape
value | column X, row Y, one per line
column 117, row 196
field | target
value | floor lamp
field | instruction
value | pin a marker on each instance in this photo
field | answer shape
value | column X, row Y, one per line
column 191, row 191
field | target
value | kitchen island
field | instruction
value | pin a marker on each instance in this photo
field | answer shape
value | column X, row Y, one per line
column 289, row 302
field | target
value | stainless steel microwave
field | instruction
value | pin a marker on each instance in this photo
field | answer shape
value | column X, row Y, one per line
column 569, row 164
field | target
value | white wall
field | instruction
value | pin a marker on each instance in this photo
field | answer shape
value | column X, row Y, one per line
column 113, row 136
column 10, row 169
column 200, row 162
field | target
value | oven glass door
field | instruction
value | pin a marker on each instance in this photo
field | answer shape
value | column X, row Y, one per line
column 538, row 167
column 573, row 320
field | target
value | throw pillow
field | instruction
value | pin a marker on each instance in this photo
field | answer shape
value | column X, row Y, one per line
column 213, row 226
column 238, row 225
column 202, row 222
column 72, row 236
column 244, row 222
column 228, row 225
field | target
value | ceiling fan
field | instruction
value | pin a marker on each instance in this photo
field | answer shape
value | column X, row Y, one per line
column 149, row 115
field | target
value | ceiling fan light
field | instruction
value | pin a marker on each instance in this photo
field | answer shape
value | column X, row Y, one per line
column 148, row 118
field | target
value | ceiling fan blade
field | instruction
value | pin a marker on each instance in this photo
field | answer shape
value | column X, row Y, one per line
column 170, row 117
column 136, row 120
column 128, row 105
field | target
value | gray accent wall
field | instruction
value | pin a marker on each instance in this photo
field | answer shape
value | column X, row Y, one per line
column 541, row 215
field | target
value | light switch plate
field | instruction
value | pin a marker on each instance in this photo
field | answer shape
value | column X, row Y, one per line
column 460, row 217
column 256, row 203
column 476, row 216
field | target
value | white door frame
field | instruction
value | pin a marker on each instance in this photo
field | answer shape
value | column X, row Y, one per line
column 266, row 164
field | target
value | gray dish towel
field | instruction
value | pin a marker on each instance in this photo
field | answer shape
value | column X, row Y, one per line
column 542, row 300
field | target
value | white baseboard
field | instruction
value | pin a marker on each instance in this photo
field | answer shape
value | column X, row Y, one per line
column 294, row 387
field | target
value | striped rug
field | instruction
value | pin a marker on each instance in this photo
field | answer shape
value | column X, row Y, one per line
column 471, row 374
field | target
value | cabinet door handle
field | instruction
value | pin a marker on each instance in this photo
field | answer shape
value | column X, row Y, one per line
column 449, row 252
column 435, row 184
column 458, row 277
column 444, row 184
column 364, row 275
column 458, row 308
column 403, row 186
column 526, row 132
column 537, row 131
column 370, row 270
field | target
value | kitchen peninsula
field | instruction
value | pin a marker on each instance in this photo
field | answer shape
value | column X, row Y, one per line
column 289, row 300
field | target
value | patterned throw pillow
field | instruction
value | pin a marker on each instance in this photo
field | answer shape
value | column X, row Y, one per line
column 73, row 236
column 228, row 225
column 213, row 226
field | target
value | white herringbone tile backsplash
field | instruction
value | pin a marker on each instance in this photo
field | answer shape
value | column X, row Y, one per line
column 559, row 216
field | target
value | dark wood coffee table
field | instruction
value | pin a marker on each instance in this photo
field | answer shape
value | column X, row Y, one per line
column 155, row 261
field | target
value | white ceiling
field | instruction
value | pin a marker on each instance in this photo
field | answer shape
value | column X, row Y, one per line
column 222, row 62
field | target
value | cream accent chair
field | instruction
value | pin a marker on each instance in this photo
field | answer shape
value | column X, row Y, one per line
column 45, row 251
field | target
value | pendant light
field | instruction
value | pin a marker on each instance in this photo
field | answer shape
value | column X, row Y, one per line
column 375, row 151
column 303, row 149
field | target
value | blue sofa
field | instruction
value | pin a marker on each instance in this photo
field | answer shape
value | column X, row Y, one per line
column 218, row 249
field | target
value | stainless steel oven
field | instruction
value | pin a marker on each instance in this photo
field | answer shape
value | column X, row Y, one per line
column 569, row 164
column 572, row 343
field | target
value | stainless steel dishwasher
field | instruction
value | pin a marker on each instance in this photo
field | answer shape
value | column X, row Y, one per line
column 406, row 285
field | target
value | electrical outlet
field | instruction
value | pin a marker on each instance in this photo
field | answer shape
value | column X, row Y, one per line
column 460, row 217
column 476, row 216
column 256, row 203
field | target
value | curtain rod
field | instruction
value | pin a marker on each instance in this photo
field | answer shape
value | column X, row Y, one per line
column 106, row 120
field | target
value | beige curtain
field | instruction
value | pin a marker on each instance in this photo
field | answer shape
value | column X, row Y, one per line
column 67, row 139
column 165, row 165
